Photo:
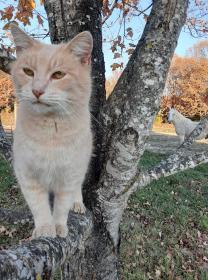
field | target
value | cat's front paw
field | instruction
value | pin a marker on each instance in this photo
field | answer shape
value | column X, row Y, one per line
column 46, row 231
column 79, row 207
column 62, row 230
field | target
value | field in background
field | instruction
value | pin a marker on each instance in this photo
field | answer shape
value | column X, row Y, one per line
column 163, row 128
column 7, row 119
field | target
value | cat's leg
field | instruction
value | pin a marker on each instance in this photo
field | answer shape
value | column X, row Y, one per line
column 78, row 205
column 66, row 200
column 38, row 201
column 63, row 202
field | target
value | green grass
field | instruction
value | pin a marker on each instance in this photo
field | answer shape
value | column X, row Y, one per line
column 10, row 197
column 6, row 180
column 10, row 194
column 165, row 227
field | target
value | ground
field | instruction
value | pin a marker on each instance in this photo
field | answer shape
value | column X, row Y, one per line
column 164, row 229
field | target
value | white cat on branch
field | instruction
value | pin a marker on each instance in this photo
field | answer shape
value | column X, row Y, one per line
column 184, row 126
column 53, row 138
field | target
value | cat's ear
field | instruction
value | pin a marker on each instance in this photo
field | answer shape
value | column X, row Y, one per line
column 21, row 39
column 81, row 46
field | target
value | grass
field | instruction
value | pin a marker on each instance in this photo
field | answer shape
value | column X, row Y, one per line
column 164, row 230
column 10, row 197
column 165, row 227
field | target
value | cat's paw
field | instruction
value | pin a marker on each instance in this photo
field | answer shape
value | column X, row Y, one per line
column 79, row 207
column 62, row 230
column 46, row 231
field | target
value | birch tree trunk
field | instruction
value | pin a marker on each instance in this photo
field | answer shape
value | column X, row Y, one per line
column 91, row 249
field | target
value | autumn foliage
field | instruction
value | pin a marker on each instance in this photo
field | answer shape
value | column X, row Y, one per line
column 22, row 12
column 186, row 87
column 6, row 92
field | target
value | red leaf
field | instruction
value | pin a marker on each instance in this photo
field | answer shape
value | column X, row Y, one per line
column 40, row 20
column 116, row 55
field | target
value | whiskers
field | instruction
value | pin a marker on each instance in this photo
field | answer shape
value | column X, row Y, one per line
column 22, row 97
column 61, row 106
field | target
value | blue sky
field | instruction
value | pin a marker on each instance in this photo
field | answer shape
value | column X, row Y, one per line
column 185, row 41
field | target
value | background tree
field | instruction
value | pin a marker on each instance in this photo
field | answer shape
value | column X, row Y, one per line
column 186, row 85
column 6, row 101
column 91, row 249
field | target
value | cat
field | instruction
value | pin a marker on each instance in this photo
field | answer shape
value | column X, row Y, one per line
column 53, row 138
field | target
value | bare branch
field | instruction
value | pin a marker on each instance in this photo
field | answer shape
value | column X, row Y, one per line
column 138, row 10
column 173, row 164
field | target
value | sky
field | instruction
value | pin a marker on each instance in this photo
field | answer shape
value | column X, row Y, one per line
column 185, row 42
column 110, row 33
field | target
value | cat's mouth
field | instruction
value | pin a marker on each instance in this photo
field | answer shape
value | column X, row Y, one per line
column 38, row 102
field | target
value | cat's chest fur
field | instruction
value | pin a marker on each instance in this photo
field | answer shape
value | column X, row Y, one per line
column 50, row 148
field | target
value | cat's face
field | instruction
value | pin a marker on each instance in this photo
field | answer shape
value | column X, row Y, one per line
column 52, row 78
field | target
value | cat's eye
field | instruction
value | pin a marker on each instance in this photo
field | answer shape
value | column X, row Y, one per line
column 58, row 75
column 28, row 72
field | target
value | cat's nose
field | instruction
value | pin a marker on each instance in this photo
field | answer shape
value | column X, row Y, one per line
column 37, row 93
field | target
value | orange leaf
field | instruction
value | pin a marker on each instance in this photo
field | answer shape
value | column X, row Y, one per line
column 6, row 26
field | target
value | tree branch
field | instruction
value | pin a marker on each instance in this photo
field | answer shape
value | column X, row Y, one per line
column 173, row 164
column 39, row 258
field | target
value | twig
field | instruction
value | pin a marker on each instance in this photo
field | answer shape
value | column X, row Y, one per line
column 110, row 12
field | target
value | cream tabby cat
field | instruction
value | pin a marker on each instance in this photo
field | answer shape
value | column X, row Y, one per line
column 53, row 139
